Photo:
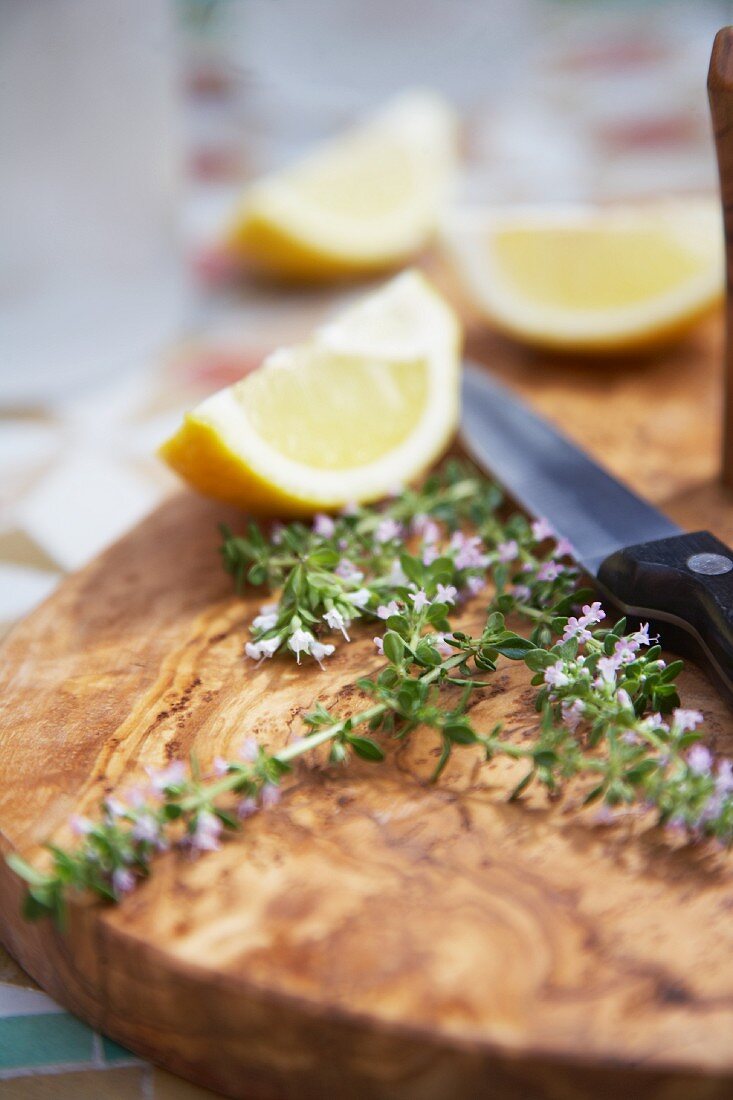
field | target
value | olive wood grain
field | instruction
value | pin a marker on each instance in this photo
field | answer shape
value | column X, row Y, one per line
column 720, row 93
column 373, row 937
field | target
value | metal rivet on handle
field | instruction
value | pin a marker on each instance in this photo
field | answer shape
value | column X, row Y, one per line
column 710, row 564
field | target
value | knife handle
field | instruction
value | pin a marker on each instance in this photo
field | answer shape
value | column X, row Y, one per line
column 684, row 586
column 720, row 94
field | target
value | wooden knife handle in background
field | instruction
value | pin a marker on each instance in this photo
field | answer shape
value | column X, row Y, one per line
column 720, row 92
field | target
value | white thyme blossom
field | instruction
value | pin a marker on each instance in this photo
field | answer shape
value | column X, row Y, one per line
column 379, row 643
column 172, row 776
column 556, row 676
column 300, row 641
column 206, row 832
column 319, row 650
column 264, row 622
column 360, row 598
column 507, row 551
column 259, row 651
column 336, row 621
column 396, row 577
column 572, row 713
column 446, row 593
column 386, row 609
column 684, row 720
column 420, row 599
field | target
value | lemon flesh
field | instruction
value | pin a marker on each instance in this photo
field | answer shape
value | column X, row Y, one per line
column 592, row 280
column 363, row 202
column 364, row 406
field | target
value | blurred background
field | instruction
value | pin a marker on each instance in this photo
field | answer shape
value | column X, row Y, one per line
column 127, row 130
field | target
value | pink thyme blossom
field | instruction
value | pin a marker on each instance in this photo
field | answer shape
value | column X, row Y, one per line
column 206, row 833
column 387, row 530
column 593, row 613
column 442, row 644
column 336, row 621
column 607, row 668
column 556, row 675
column 260, row 651
column 700, row 760
column 446, row 593
column 630, row 738
column 521, row 592
column 323, row 525
column 146, row 829
column 475, row 585
column 624, row 699
column 576, row 628
column 386, row 609
column 360, row 598
column 247, row 807
column 80, row 826
column 318, row 651
column 572, row 713
column 221, row 766
column 430, row 554
column 300, row 641
column 270, row 796
column 508, row 551
column 542, row 529
column 625, row 650
column 115, row 808
column 123, row 881
column 550, row 570
column 379, row 643
column 724, row 778
column 420, row 599
column 469, row 551
column 564, row 549
column 348, row 571
column 685, row 720
column 172, row 776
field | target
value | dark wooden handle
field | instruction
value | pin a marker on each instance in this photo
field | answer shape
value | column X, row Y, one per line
column 720, row 92
column 684, row 586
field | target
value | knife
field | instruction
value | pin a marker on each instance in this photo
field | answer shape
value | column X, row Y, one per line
column 642, row 562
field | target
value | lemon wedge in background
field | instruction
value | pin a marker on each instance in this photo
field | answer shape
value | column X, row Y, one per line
column 363, row 202
column 364, row 406
column 583, row 279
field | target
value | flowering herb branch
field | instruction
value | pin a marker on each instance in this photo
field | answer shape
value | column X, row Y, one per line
column 609, row 714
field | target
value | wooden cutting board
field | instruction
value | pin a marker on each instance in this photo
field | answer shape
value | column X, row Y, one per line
column 373, row 936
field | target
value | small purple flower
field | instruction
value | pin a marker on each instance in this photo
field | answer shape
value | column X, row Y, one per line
column 123, row 881
column 146, row 829
column 80, row 826
column 592, row 613
column 430, row 554
column 360, row 598
column 625, row 650
column 396, row 577
column 163, row 778
column 542, row 529
column 556, row 676
column 446, row 593
column 388, row 530
column 508, row 551
column 206, row 833
column 630, row 738
column 624, row 699
column 550, row 570
column 575, row 628
column 323, row 526
column 724, row 778
column 572, row 713
column 249, row 750
column 475, row 585
column 686, row 719
column 521, row 592
column 700, row 760
column 564, row 549
column 607, row 668
column 641, row 636
column 379, row 643
column 221, row 766
column 247, row 807
column 348, row 571
column 350, row 509
column 270, row 796
column 469, row 551
column 442, row 644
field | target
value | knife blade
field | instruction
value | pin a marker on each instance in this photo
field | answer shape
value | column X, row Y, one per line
column 682, row 582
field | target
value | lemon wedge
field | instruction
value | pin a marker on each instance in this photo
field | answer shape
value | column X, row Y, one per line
column 584, row 279
column 363, row 202
column 364, row 406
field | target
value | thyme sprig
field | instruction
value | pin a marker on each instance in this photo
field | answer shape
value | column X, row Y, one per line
column 610, row 720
